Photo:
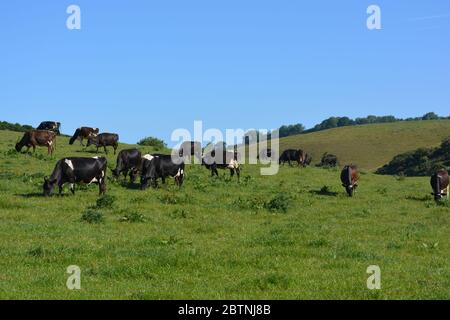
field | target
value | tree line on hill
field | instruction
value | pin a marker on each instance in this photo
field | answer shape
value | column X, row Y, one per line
column 4, row 125
column 421, row 162
column 337, row 122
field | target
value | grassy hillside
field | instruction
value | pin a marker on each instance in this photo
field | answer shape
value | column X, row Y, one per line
column 215, row 239
column 371, row 146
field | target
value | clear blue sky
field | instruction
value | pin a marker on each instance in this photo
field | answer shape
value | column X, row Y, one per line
column 143, row 68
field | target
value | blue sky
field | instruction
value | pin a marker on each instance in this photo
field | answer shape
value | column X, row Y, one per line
column 143, row 68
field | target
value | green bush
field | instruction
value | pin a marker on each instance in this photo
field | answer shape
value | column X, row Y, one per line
column 281, row 202
column 105, row 202
column 92, row 217
column 422, row 162
column 153, row 142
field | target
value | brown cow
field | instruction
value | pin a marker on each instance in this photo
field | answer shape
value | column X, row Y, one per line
column 83, row 133
column 439, row 183
column 41, row 138
column 349, row 178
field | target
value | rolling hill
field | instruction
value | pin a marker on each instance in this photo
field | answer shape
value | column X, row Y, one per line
column 371, row 146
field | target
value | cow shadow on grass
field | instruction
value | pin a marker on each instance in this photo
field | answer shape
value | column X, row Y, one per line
column 41, row 195
column 30, row 195
column 324, row 191
column 424, row 198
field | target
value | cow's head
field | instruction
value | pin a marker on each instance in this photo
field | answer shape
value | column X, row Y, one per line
column 350, row 189
column 18, row 147
column 92, row 139
column 49, row 186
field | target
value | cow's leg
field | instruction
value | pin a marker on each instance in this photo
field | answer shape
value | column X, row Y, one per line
column 238, row 173
column 231, row 173
column 155, row 183
column 163, row 180
column 102, row 186
column 72, row 188
column 106, row 150
column 60, row 189
column 115, row 148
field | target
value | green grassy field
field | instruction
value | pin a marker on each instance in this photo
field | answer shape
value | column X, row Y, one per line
column 371, row 146
column 217, row 239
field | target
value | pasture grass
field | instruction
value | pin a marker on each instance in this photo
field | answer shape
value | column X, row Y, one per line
column 295, row 235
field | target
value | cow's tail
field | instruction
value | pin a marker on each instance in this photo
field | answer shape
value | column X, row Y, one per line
column 75, row 136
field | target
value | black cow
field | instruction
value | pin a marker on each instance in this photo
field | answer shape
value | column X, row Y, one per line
column 104, row 140
column 328, row 160
column 439, row 182
column 161, row 167
column 292, row 155
column 128, row 162
column 349, row 179
column 50, row 126
column 77, row 171
column 222, row 160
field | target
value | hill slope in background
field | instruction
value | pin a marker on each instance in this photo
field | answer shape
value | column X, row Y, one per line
column 371, row 146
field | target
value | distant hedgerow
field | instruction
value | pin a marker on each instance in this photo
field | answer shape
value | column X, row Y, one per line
column 153, row 142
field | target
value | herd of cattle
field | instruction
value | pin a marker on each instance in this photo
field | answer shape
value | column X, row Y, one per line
column 152, row 167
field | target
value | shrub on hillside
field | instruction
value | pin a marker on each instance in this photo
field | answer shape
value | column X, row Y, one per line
column 422, row 162
column 153, row 142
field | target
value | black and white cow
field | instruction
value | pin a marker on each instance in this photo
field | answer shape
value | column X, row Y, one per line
column 161, row 167
column 50, row 126
column 77, row 171
column 221, row 159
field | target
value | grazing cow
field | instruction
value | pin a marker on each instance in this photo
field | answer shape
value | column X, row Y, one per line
column 292, row 155
column 349, row 179
column 160, row 167
column 104, row 140
column 191, row 148
column 222, row 160
column 329, row 160
column 50, row 126
column 128, row 162
column 83, row 133
column 41, row 138
column 77, row 171
column 439, row 183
